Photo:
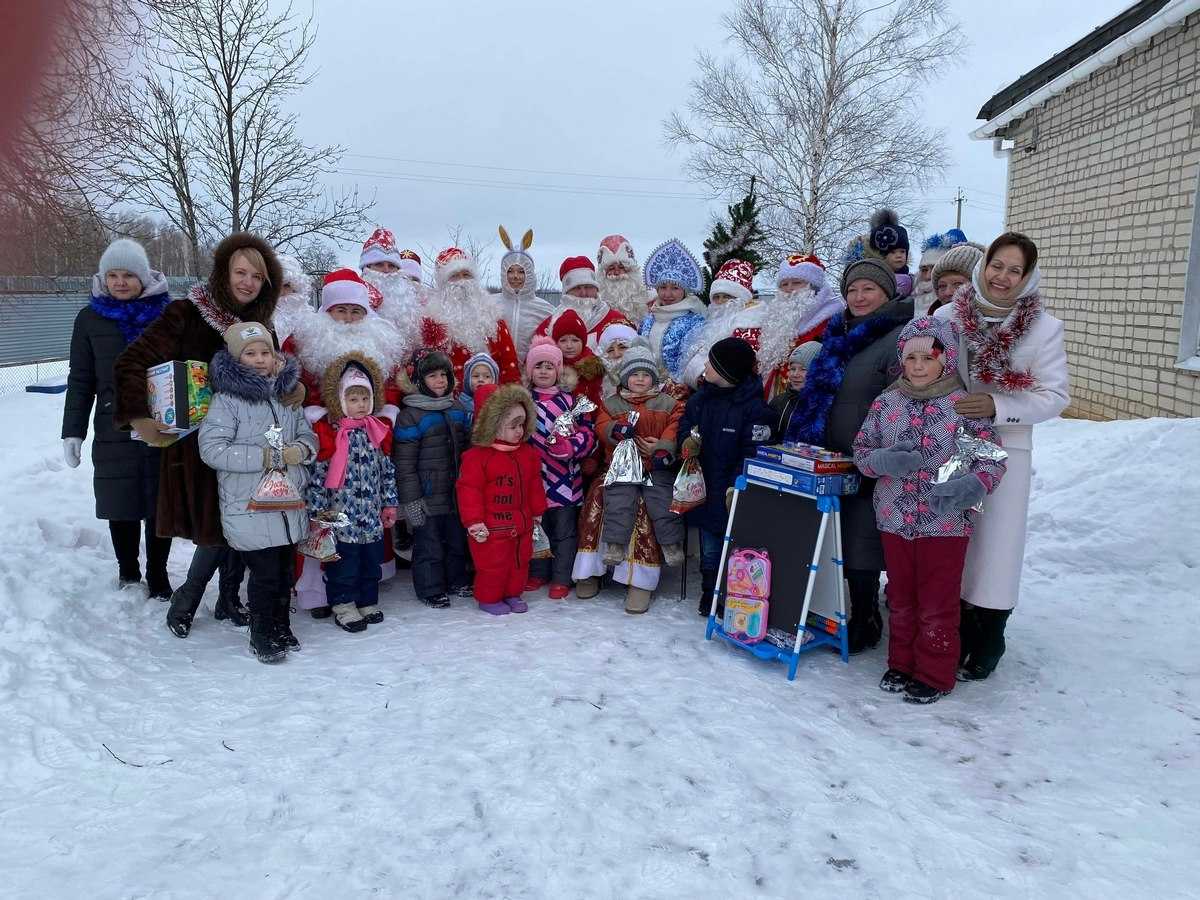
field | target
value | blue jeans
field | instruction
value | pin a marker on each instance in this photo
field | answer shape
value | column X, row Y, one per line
column 355, row 577
column 710, row 549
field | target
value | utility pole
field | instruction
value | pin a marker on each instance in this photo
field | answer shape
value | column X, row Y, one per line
column 958, row 201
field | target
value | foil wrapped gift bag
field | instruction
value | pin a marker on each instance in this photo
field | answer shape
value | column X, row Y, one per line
column 626, row 466
column 321, row 542
column 541, row 543
column 967, row 449
column 689, row 490
column 275, row 491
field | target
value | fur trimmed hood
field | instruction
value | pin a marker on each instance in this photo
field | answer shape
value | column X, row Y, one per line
column 228, row 376
column 487, row 419
column 263, row 307
column 332, row 378
column 587, row 366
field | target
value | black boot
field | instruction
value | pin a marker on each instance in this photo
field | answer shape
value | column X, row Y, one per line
column 920, row 692
column 231, row 608
column 988, row 645
column 158, row 549
column 283, row 625
column 264, row 643
column 184, row 603
column 126, row 540
column 229, row 604
column 866, row 624
column 708, row 581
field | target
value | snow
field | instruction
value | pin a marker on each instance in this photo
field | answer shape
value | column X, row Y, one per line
column 579, row 752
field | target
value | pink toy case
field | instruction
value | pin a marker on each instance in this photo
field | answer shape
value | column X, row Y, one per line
column 748, row 589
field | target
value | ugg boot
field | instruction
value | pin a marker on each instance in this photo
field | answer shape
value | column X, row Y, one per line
column 637, row 601
column 264, row 642
column 614, row 554
column 372, row 615
column 347, row 618
column 587, row 588
column 517, row 605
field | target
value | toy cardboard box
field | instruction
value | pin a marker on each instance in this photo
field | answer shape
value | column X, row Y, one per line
column 179, row 394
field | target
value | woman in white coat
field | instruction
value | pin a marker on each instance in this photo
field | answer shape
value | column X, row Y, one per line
column 1013, row 361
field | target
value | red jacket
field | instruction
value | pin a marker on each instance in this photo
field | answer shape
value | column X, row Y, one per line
column 500, row 348
column 502, row 489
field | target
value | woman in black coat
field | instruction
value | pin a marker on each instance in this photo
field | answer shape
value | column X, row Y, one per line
column 126, row 296
column 857, row 362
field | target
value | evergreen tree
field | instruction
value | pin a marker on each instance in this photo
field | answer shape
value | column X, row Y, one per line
column 737, row 240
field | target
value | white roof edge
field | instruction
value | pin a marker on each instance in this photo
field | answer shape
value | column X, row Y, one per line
column 1169, row 16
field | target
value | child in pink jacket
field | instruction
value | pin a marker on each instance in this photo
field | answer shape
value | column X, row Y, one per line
column 925, row 527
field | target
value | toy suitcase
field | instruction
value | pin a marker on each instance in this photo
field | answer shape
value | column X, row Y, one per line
column 747, row 589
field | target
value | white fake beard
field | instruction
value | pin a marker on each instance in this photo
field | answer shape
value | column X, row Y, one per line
column 402, row 303
column 781, row 326
column 470, row 315
column 320, row 339
column 626, row 294
column 718, row 324
column 288, row 311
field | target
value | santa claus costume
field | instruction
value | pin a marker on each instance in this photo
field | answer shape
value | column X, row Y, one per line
column 462, row 319
column 739, row 316
column 620, row 278
column 401, row 295
column 794, row 316
column 670, row 328
column 295, row 296
column 317, row 340
column 578, row 276
column 523, row 309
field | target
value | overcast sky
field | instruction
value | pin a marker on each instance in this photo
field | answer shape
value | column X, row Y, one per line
column 547, row 114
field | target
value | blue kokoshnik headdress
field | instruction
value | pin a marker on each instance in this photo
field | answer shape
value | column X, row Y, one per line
column 673, row 262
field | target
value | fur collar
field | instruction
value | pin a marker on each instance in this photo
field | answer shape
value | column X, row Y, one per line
column 228, row 376
column 331, row 379
column 690, row 303
column 262, row 309
column 503, row 399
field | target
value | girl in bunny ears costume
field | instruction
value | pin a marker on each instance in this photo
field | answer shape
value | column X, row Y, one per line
column 523, row 310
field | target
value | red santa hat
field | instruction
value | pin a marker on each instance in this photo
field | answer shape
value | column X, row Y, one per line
column 806, row 268
column 344, row 286
column 575, row 271
column 374, row 296
column 735, row 278
column 450, row 262
column 379, row 247
column 616, row 249
column 410, row 265
column 569, row 322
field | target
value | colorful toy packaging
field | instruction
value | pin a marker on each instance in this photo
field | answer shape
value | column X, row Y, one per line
column 179, row 394
column 748, row 591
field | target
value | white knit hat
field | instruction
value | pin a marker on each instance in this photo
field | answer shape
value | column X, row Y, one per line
column 128, row 255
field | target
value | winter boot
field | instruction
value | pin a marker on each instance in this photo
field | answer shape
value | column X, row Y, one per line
column 182, row 610
column 866, row 624
column 708, row 582
column 968, row 632
column 283, row 625
column 439, row 602
column 466, row 592
column 587, row 588
column 894, row 682
column 920, row 692
column 988, row 644
column 559, row 591
column 614, row 554
column 264, row 642
column 230, row 607
column 347, row 618
column 672, row 555
column 534, row 584
column 372, row 615
column 320, row 612
column 499, row 608
column 637, row 601
column 517, row 605
column 160, row 587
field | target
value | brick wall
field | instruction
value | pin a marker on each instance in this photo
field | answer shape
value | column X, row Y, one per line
column 1107, row 192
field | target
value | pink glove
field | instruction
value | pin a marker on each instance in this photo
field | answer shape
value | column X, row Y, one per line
column 478, row 532
column 388, row 516
column 560, row 447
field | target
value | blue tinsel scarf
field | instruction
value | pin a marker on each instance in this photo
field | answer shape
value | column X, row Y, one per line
column 131, row 316
column 839, row 345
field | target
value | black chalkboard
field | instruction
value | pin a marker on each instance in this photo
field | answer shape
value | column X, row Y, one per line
column 787, row 527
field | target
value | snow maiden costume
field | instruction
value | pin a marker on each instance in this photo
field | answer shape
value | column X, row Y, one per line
column 523, row 310
column 1015, row 353
column 668, row 328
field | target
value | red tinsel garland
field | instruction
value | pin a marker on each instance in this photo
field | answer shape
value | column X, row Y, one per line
column 991, row 349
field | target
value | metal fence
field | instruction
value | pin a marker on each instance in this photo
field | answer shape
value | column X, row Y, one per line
column 36, row 318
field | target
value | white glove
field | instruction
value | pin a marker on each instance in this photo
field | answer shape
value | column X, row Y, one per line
column 72, row 448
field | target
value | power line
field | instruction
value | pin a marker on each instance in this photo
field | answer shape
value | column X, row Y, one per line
column 520, row 186
column 430, row 162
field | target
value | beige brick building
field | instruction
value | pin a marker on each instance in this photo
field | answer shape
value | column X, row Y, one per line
column 1103, row 146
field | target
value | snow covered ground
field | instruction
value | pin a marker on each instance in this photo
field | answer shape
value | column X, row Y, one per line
column 578, row 752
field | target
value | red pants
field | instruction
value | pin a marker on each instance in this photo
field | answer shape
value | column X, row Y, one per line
column 923, row 591
column 501, row 566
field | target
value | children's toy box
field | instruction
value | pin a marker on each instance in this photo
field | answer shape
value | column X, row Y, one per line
column 807, row 458
column 786, row 478
column 179, row 394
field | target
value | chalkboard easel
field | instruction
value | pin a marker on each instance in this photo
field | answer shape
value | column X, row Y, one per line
column 803, row 535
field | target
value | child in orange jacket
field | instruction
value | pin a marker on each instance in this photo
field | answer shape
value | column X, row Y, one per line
column 500, row 496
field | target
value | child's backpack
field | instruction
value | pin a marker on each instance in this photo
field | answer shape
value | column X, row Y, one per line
column 747, row 592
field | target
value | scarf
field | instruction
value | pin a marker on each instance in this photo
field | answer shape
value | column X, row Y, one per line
column 505, row 446
column 948, row 383
column 843, row 341
column 989, row 345
column 427, row 403
column 217, row 317
column 131, row 316
column 376, row 430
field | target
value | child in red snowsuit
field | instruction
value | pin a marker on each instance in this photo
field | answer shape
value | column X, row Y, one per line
column 500, row 495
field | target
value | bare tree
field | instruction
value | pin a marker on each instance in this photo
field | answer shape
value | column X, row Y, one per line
column 457, row 236
column 819, row 105
column 317, row 256
column 219, row 153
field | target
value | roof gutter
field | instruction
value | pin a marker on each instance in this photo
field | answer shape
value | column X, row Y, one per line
column 1168, row 17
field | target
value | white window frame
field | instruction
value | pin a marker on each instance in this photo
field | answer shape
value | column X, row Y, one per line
column 1189, row 330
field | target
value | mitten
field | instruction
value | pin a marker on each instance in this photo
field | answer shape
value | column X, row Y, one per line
column 72, row 451
column 151, row 432
column 956, row 495
column 272, row 458
column 478, row 532
column 622, row 431
column 415, row 513
column 661, row 459
column 295, row 454
column 295, row 397
column 690, row 448
column 899, row 459
column 560, row 447
column 388, row 517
